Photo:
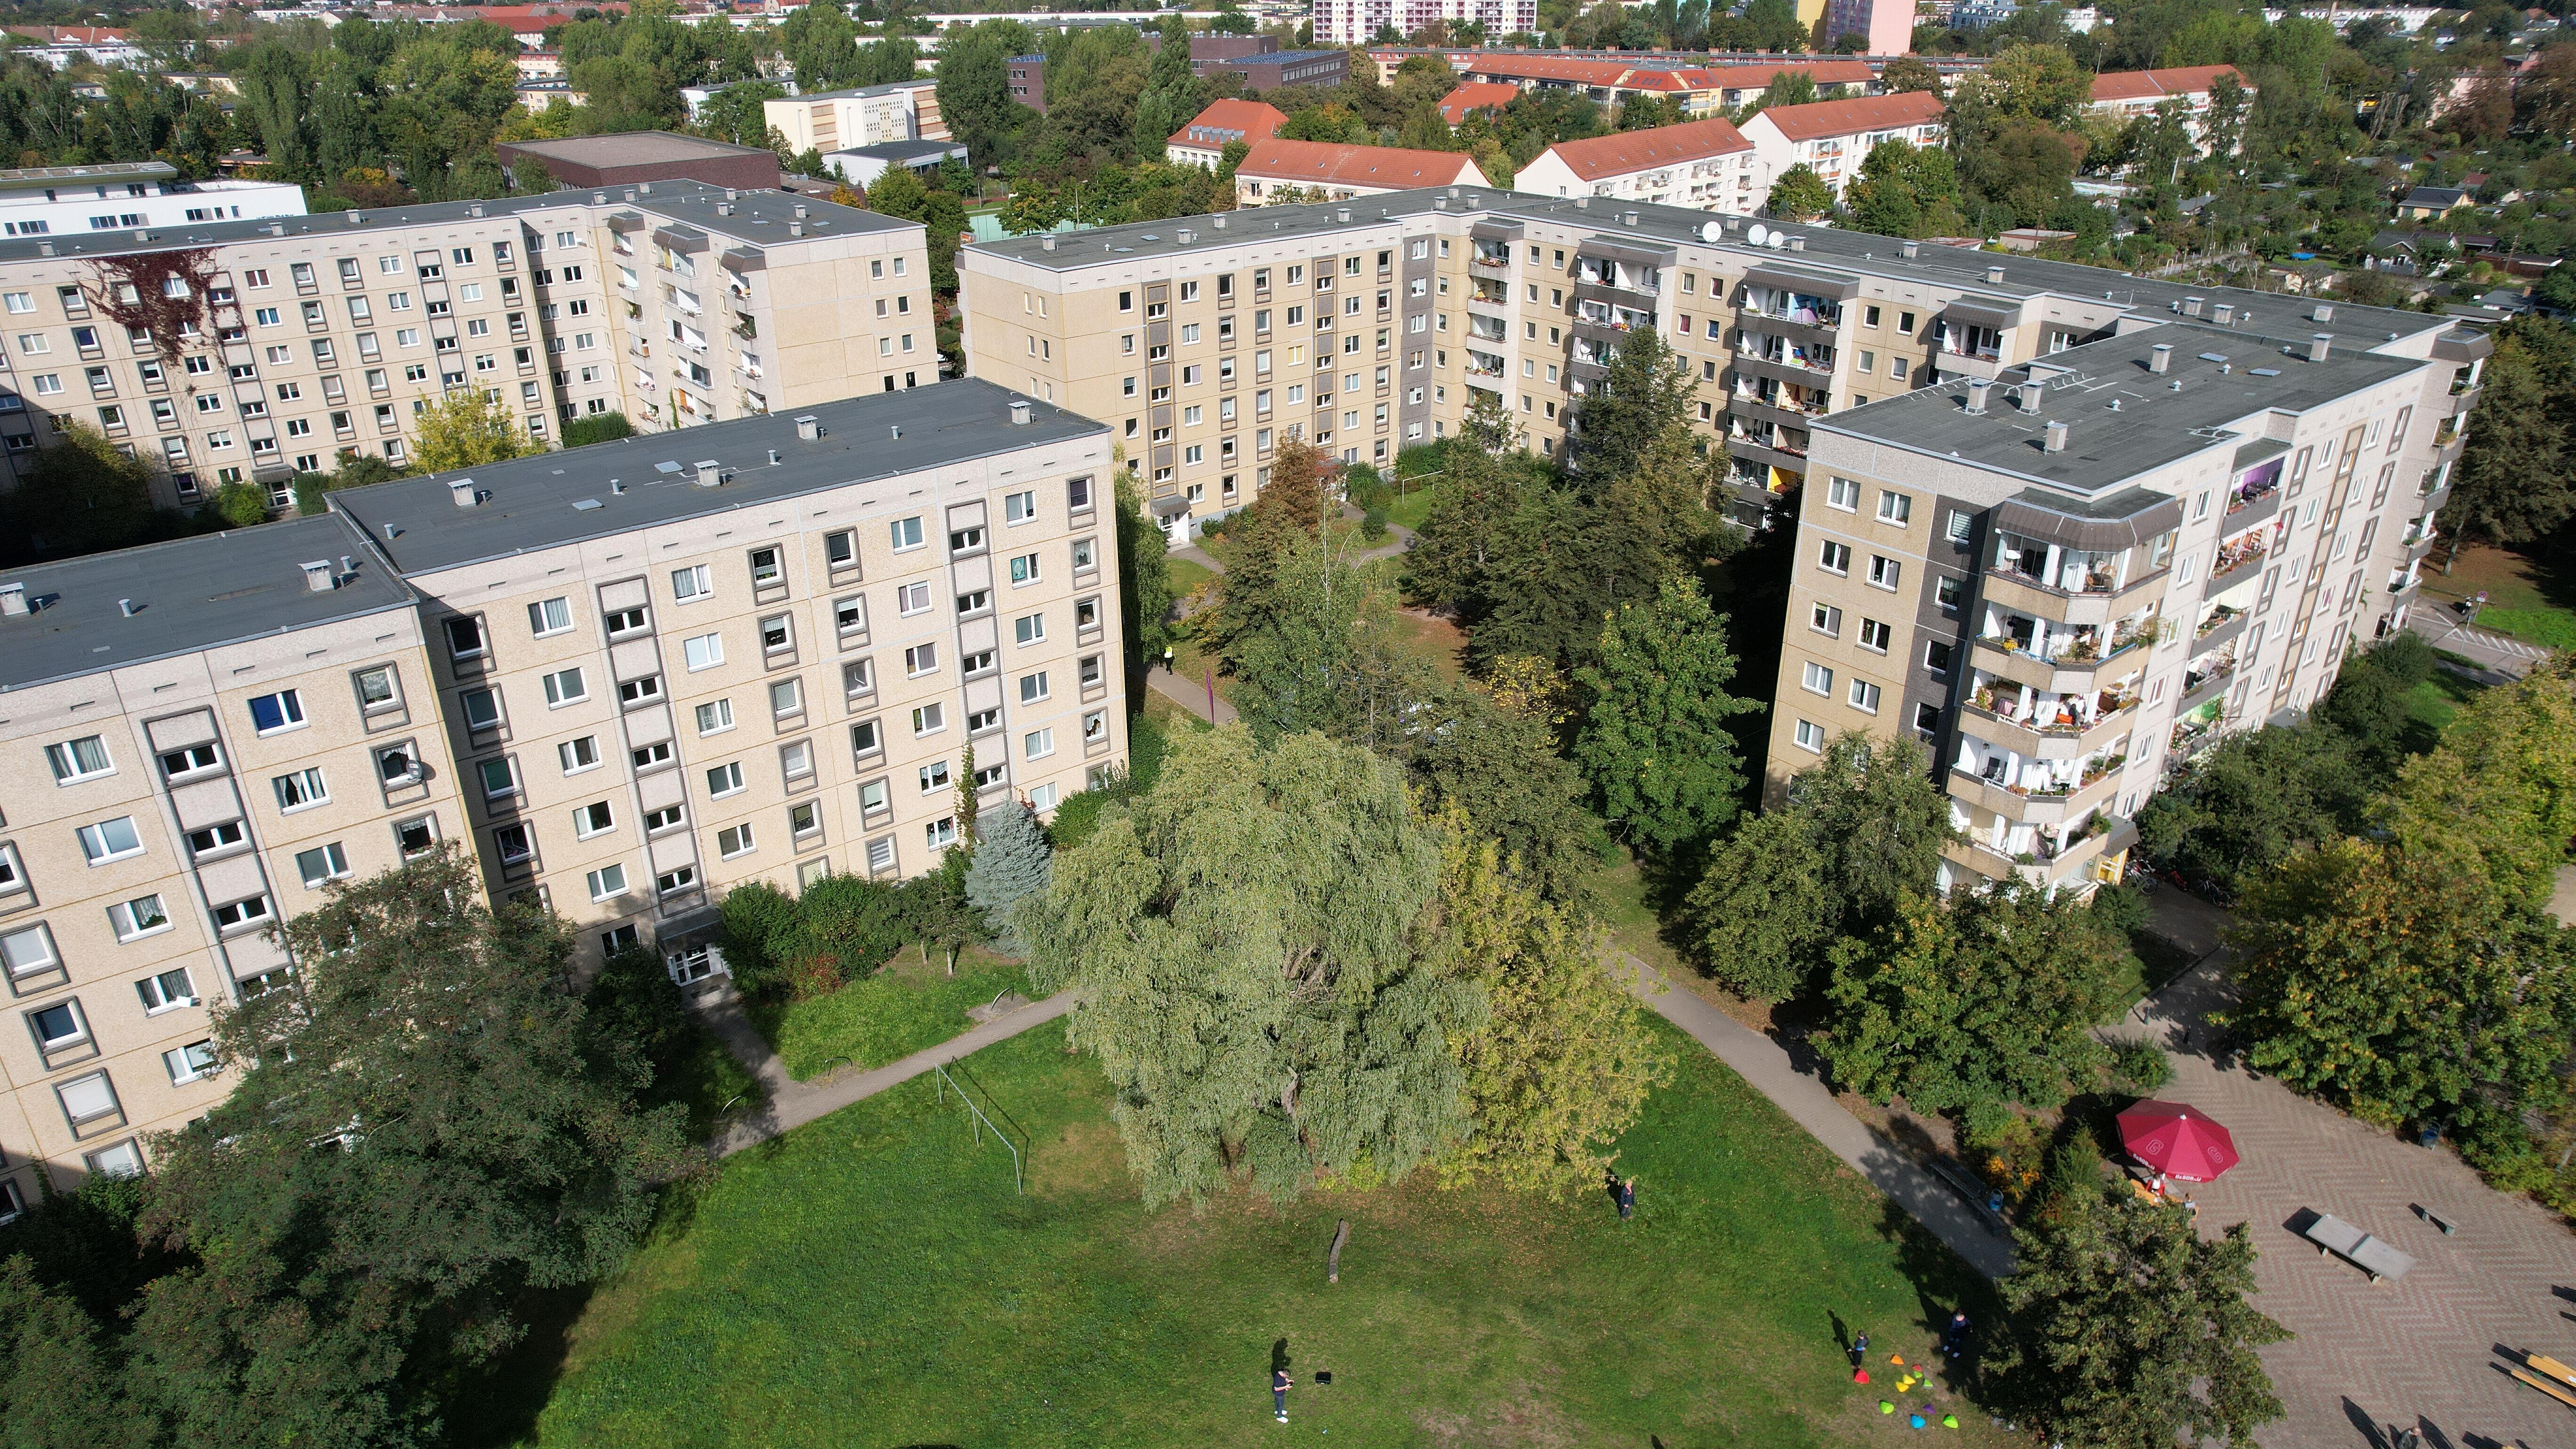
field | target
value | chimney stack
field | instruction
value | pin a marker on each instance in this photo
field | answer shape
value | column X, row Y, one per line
column 2318, row 344
column 1909, row 250
column 1995, row 275
column 1019, row 413
column 2323, row 312
column 2030, row 395
column 710, row 473
column 13, row 598
column 462, row 491
column 2191, row 306
column 2057, row 437
column 317, row 576
column 129, row 608
column 773, row 457
column 2160, row 360
column 1978, row 388
column 2223, row 314
column 809, row 427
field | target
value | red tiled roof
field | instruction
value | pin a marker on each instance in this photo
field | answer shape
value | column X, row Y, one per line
column 1852, row 117
column 1667, row 80
column 69, row 34
column 1476, row 96
column 1617, row 155
column 1756, row 77
column 1386, row 168
column 1257, row 120
column 2144, row 85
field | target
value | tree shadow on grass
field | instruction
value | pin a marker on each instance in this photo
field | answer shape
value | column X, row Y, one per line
column 498, row 1403
column 1942, row 1282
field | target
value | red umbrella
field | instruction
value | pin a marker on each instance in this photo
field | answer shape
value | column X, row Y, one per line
column 2171, row 1138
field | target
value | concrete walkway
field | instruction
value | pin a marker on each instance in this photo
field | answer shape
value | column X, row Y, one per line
column 2441, row 628
column 1762, row 1062
column 793, row 1103
column 2420, row 1352
column 1189, row 694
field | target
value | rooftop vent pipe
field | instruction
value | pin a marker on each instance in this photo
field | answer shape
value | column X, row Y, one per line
column 710, row 473
column 1909, row 250
column 2160, row 360
column 1342, row 214
column 2318, row 344
column 1047, row 243
column 13, row 598
column 1019, row 414
column 1994, row 276
column 2322, row 312
column 2191, row 306
column 2222, row 314
column 462, row 491
column 129, row 608
column 773, row 457
column 795, row 228
column 2030, row 394
column 1978, row 388
column 809, row 427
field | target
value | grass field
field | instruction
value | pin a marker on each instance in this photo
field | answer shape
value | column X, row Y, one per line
column 909, row 1005
column 1411, row 508
column 871, row 1280
column 2530, row 595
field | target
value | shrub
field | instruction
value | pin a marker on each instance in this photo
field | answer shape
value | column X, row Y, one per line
column 759, row 923
column 634, row 998
column 242, row 505
column 597, row 428
column 2141, row 1066
column 1373, row 523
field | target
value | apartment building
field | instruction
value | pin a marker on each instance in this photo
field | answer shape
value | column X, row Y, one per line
column 774, row 649
column 860, row 116
column 1886, row 27
column 199, row 736
column 1833, row 138
column 1302, row 169
column 267, row 348
column 2069, row 581
column 1368, row 326
column 1357, row 22
column 1203, row 141
column 123, row 195
column 1699, row 90
column 1704, row 165
column 2128, row 94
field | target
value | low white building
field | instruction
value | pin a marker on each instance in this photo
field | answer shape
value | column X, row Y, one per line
column 1705, row 165
column 1277, row 171
column 2128, row 94
column 131, row 196
column 862, row 165
column 864, row 116
column 1203, row 141
column 1832, row 138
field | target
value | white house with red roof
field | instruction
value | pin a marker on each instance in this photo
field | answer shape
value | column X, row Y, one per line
column 1701, row 90
column 1299, row 170
column 1203, row 141
column 2131, row 93
column 1705, row 165
column 1834, row 137
column 1487, row 96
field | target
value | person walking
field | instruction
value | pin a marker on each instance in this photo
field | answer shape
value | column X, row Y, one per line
column 1859, row 1349
column 1280, row 1384
column 1627, row 1198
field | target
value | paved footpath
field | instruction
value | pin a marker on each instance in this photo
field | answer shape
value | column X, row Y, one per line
column 793, row 1103
column 2418, row 1352
column 1762, row 1062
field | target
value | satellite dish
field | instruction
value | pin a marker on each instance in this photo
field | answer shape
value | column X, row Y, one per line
column 1759, row 234
column 1710, row 231
column 1779, row 239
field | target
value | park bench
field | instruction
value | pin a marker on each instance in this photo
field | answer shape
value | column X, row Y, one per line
column 2333, row 1235
column 1968, row 1186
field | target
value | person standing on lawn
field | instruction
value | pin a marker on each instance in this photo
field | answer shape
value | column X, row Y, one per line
column 1954, row 1343
column 1627, row 1198
column 1859, row 1348
column 1280, row 1384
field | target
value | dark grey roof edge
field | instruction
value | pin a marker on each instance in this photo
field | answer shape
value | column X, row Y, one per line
column 2123, row 520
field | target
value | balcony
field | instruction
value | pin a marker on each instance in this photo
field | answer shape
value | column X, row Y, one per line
column 2068, row 668
column 2049, row 805
column 2419, row 542
column 2013, row 591
column 1785, row 369
column 2251, row 507
column 2061, row 738
column 2051, row 864
column 2200, row 686
column 1755, row 410
column 2244, row 553
column 2218, row 630
column 1771, row 455
column 1483, row 265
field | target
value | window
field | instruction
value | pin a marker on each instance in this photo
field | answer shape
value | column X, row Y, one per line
column 858, row 677
column 795, row 760
column 624, row 621
column 416, row 837
column 27, row 950
column 647, row 757
column 376, row 689
column 110, row 840
column 1927, row 718
column 734, row 840
column 929, row 719
column 671, row 882
column 1024, row 569
column 607, row 881
column 1844, row 494
column 1818, row 679
column 1033, row 687
column 704, row 651
column 941, row 833
column 1894, row 508
column 980, row 720
column 1834, row 558
column 166, row 990
column 88, row 1099
column 906, row 533
column 1950, row 590
column 78, row 759
column 1019, row 507
column 850, row 616
column 1961, row 525
column 765, row 568
column 500, row 778
column 979, row 661
column 715, row 716
column 321, row 863
column 1029, row 629
column 723, row 780
column 1811, row 736
column 1095, row 727
column 1086, row 551
column 1884, row 571
column 299, row 789
column 864, row 739
column 270, row 713
column 189, row 1063
column 804, row 821
column 912, row 598
column 1864, row 696
column 920, row 659
column 965, row 540
column 140, row 916
column 1875, row 635
column 234, row 915
column 667, row 818
column 549, row 616
column 578, row 755
column 564, row 686
column 690, row 583
column 786, row 697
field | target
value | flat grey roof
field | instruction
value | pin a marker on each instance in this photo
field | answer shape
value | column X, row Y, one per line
column 632, row 148
column 609, row 488
column 1824, row 246
column 902, row 150
column 759, row 217
column 887, row 88
column 2122, row 419
column 105, row 171
column 194, row 593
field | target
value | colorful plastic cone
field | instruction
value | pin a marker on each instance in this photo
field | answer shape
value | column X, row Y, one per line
column 1915, row 1419
column 1885, row 1407
column 1896, row 1358
column 1949, row 1421
column 1860, row 1376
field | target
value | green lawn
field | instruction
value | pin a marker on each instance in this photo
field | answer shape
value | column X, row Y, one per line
column 2530, row 595
column 909, row 1005
column 1411, row 508
column 2430, row 705
column 1187, row 576
column 871, row 1280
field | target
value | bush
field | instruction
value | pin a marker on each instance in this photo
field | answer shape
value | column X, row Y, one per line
column 634, row 998
column 2140, row 1066
column 597, row 428
column 785, row 947
column 1373, row 523
column 84, row 1243
column 759, row 921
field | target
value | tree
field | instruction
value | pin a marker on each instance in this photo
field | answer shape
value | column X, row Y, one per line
column 1562, row 1064
column 737, row 113
column 822, row 45
column 80, row 495
column 1753, row 917
column 1647, row 390
column 2254, row 799
column 2498, row 797
column 1788, row 88
column 590, row 428
column 2404, row 987
column 422, row 1125
column 1144, row 583
column 61, row 1388
column 468, row 430
column 1497, row 760
column 974, row 87
column 1910, row 73
column 2512, row 483
column 1012, row 862
column 1460, row 540
column 1251, row 933
column 1991, row 998
column 1874, row 812
column 2129, row 1331
column 242, row 505
column 1799, row 195
column 1654, row 741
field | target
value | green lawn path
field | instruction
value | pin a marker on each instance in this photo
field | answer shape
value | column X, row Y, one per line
column 909, row 1005
column 871, row 1280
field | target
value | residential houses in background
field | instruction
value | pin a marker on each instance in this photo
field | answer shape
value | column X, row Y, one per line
column 1833, row 138
column 1304, row 170
column 1705, row 165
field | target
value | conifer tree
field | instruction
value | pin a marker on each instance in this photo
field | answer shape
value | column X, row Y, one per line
column 1012, row 862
